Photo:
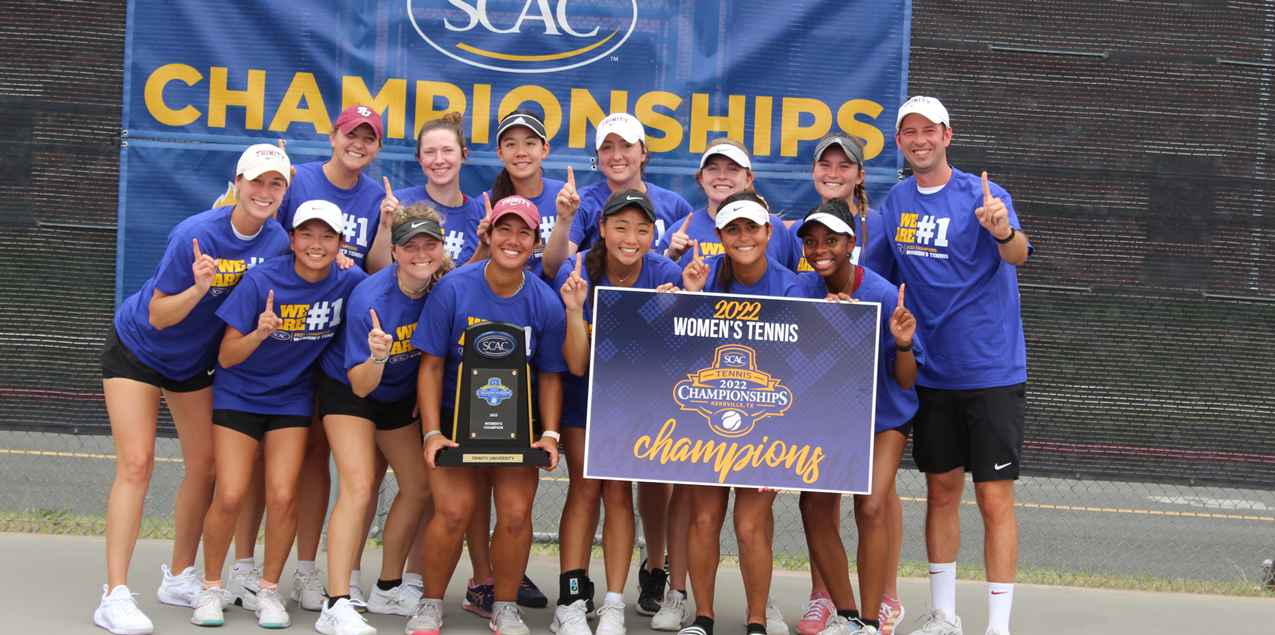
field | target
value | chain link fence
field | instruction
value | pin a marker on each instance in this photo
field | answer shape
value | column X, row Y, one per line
column 1107, row 534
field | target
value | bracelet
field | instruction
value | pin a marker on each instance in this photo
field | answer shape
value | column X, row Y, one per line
column 379, row 361
column 430, row 434
column 903, row 349
column 1008, row 238
column 552, row 434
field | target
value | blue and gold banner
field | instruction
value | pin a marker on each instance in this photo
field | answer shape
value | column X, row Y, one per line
column 713, row 389
column 775, row 74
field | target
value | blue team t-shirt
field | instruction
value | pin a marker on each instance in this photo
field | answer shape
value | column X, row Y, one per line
column 360, row 205
column 777, row 281
column 398, row 315
column 180, row 351
column 278, row 377
column 460, row 224
column 547, row 205
column 895, row 404
column 876, row 257
column 670, row 208
column 463, row 297
column 783, row 247
column 966, row 297
column 656, row 270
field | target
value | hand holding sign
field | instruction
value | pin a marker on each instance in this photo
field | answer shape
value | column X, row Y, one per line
column 993, row 215
column 576, row 289
column 268, row 321
column 568, row 200
column 205, row 269
column 678, row 241
column 695, row 275
column 378, row 341
column 902, row 323
column 389, row 205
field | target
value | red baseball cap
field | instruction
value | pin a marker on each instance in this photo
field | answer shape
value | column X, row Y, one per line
column 358, row 114
column 523, row 208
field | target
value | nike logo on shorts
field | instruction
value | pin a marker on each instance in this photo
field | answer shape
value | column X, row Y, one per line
column 1001, row 467
column 210, row 371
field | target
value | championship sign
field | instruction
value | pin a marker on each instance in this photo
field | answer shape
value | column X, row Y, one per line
column 733, row 390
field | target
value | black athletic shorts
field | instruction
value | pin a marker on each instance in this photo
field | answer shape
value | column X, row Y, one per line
column 257, row 425
column 336, row 398
column 118, row 361
column 979, row 430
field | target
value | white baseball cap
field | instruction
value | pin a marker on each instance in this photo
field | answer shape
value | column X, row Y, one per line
column 262, row 158
column 730, row 152
column 742, row 209
column 927, row 107
column 623, row 124
column 322, row 210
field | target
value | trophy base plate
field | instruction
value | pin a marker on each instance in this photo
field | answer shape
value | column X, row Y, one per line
column 529, row 457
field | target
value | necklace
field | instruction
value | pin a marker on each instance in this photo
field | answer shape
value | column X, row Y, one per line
column 620, row 280
column 849, row 281
column 521, row 282
column 405, row 289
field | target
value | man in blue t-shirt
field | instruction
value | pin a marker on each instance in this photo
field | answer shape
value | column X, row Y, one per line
column 956, row 242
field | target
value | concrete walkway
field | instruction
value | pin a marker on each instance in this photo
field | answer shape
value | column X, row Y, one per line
column 51, row 584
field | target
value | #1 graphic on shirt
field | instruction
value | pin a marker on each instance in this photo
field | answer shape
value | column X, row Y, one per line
column 308, row 321
column 923, row 236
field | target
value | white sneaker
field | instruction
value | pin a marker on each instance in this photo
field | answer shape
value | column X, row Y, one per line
column 356, row 596
column 308, row 591
column 399, row 600
column 118, row 613
column 672, row 614
column 208, row 607
column 569, row 619
column 611, row 619
column 937, row 624
column 506, row 619
column 774, row 620
column 342, row 619
column 181, row 589
column 242, row 588
column 270, row 610
column 838, row 625
column 426, row 618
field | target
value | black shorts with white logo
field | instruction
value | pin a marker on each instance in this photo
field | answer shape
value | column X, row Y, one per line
column 118, row 361
column 336, row 398
column 257, row 425
column 979, row 430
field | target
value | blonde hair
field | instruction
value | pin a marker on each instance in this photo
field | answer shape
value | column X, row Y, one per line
column 423, row 211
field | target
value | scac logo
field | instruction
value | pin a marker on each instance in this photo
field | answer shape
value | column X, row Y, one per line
column 524, row 36
column 732, row 394
column 282, row 336
column 495, row 345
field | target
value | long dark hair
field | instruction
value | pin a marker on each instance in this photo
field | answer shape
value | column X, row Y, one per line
column 503, row 186
column 727, row 273
column 595, row 264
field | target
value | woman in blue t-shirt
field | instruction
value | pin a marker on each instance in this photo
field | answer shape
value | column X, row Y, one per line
column 522, row 144
column 163, row 342
column 367, row 400
column 828, row 241
column 279, row 320
column 725, row 169
column 743, row 267
column 441, row 151
column 620, row 145
column 500, row 290
column 621, row 256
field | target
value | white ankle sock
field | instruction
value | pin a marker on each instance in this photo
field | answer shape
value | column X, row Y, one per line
column 356, row 579
column 614, row 598
column 943, row 588
column 1000, row 599
column 305, row 566
column 242, row 566
column 409, row 578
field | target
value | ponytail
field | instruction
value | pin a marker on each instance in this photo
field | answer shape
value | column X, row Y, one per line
column 595, row 264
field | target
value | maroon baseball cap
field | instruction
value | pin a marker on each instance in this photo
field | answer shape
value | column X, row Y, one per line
column 358, row 114
column 523, row 208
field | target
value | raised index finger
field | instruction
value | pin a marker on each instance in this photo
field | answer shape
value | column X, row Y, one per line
column 579, row 260
column 389, row 191
column 487, row 202
column 376, row 323
column 198, row 254
column 571, row 177
column 686, row 224
column 901, row 287
column 987, row 191
column 270, row 302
